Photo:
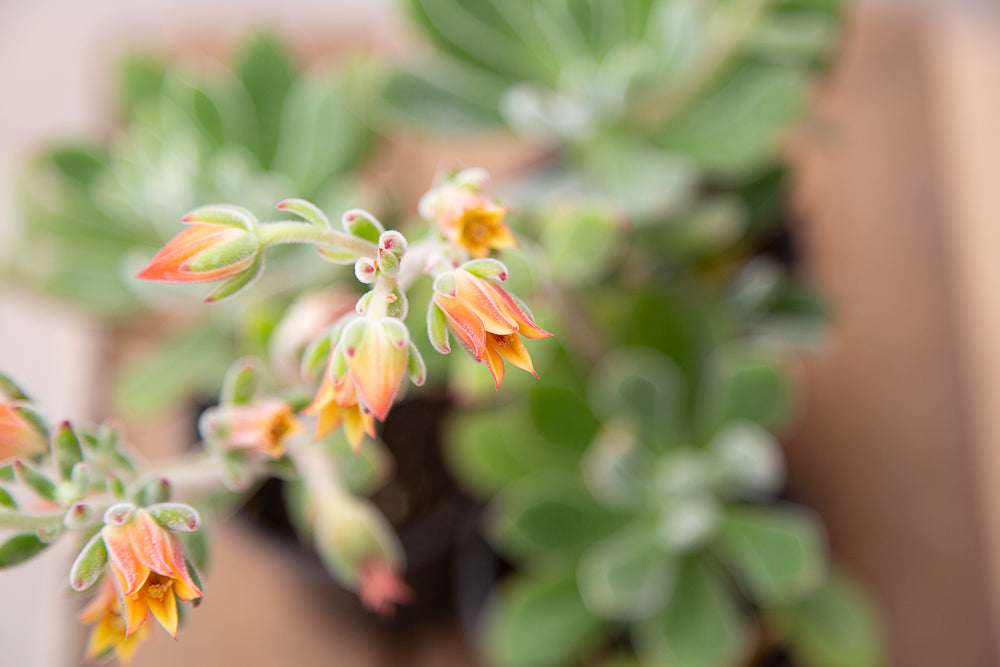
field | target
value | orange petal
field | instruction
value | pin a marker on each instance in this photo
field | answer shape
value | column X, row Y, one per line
column 495, row 363
column 168, row 264
column 513, row 350
column 525, row 325
column 354, row 427
column 476, row 294
column 130, row 574
column 135, row 611
column 151, row 543
column 377, row 368
column 464, row 323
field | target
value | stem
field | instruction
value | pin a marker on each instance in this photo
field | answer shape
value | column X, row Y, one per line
column 317, row 470
column 17, row 520
column 378, row 305
column 289, row 231
column 202, row 475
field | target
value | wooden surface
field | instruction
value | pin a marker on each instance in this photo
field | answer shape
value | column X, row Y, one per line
column 888, row 445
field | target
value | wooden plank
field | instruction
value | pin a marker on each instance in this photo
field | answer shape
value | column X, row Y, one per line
column 883, row 448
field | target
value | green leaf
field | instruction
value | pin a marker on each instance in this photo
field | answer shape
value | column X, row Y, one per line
column 580, row 242
column 643, row 384
column 322, row 136
column 267, row 73
column 20, row 548
column 66, row 450
column 431, row 99
column 750, row 457
column 702, row 230
column 702, row 627
column 140, row 78
column 482, row 451
column 6, row 500
column 78, row 163
column 615, row 466
column 642, row 180
column 778, row 553
column 35, row 480
column 625, row 577
column 89, row 564
column 562, row 417
column 481, row 33
column 10, row 391
column 746, row 385
column 538, row 623
column 176, row 516
column 548, row 515
column 737, row 127
column 835, row 627
column 240, row 383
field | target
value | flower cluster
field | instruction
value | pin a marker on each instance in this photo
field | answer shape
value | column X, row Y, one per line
column 368, row 352
column 120, row 507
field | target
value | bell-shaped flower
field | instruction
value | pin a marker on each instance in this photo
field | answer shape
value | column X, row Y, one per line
column 374, row 353
column 104, row 612
column 337, row 404
column 465, row 216
column 204, row 252
column 483, row 316
column 262, row 426
column 149, row 571
column 19, row 435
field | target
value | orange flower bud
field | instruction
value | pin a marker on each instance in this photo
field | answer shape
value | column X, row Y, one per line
column 381, row 589
column 19, row 436
column 488, row 321
column 203, row 252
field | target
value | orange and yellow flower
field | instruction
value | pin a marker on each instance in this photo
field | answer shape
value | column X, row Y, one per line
column 109, row 633
column 261, row 426
column 149, row 571
column 466, row 217
column 18, row 436
column 377, row 365
column 203, row 252
column 336, row 405
column 489, row 322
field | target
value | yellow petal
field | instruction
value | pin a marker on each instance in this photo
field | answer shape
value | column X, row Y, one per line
column 513, row 350
column 106, row 634
column 165, row 611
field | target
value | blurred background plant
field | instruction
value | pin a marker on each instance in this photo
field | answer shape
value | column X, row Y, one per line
column 636, row 487
column 637, row 490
